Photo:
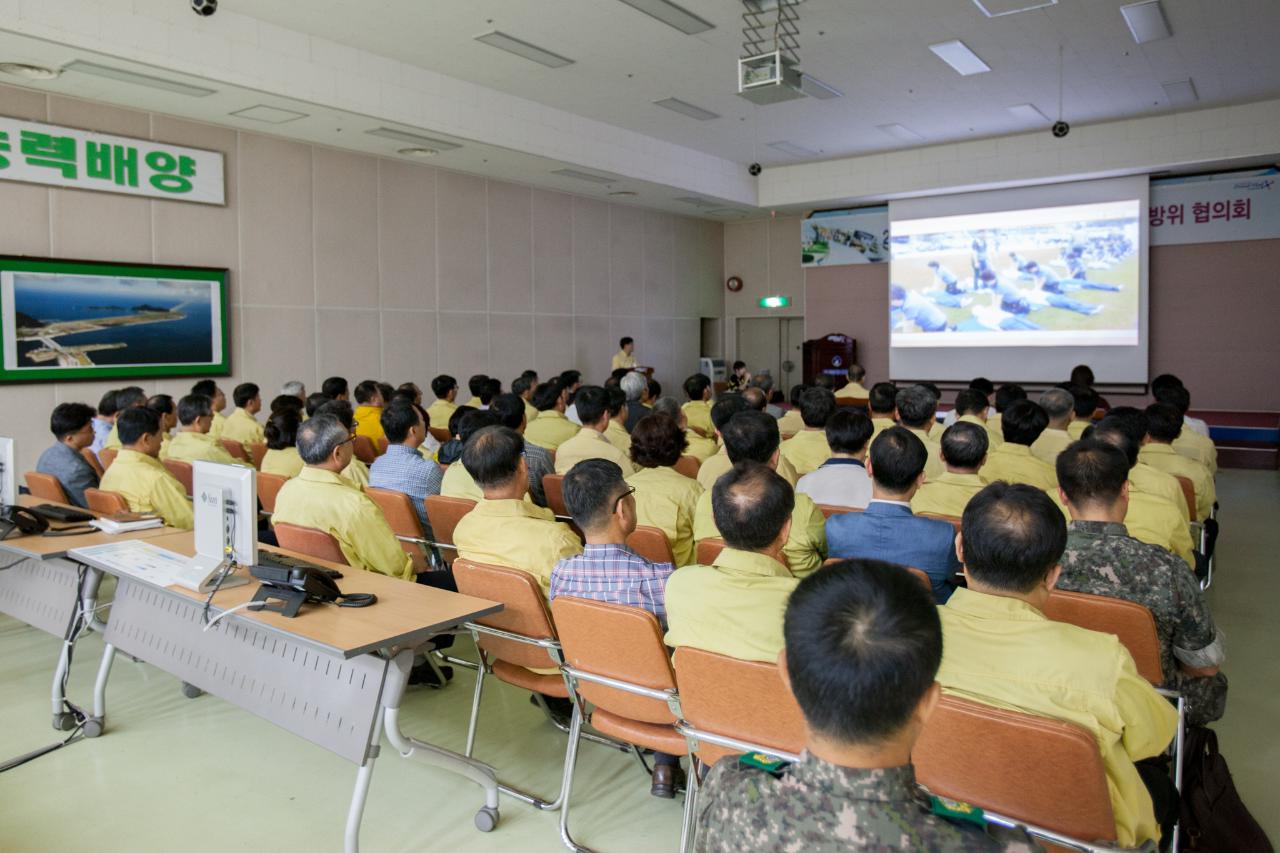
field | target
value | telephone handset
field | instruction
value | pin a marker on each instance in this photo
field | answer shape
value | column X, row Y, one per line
column 21, row 519
column 294, row 585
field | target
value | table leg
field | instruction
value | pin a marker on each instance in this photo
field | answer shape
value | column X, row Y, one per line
column 89, row 604
column 95, row 724
column 63, row 720
column 361, row 792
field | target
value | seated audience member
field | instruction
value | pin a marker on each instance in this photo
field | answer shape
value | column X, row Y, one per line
column 1103, row 559
column 636, row 387
column 916, row 408
column 551, row 428
column 655, row 389
column 753, row 437
column 1164, row 425
column 1020, row 424
column 162, row 405
column 539, row 462
column 739, row 376
column 131, row 397
column 807, row 449
column 665, row 498
column 752, row 398
column 698, row 410
column 321, row 498
column 1145, row 478
column 242, row 425
column 290, row 402
column 411, row 392
column 863, row 644
column 282, row 457
column 964, row 449
column 193, row 441
column 368, row 413
column 996, row 642
column 522, row 387
column 570, row 381
column 735, row 606
column 763, row 383
column 1189, row 443
column 492, row 388
column 590, row 441
column 1085, row 404
column 295, row 388
column 1160, row 385
column 217, row 402
column 314, row 402
column 445, row 389
column 451, row 450
column 792, row 421
column 1082, row 376
column 842, row 480
column 1006, row 396
column 504, row 529
column 476, row 385
column 983, row 387
column 402, row 468
column 698, row 446
column 104, row 420
column 356, row 473
column 971, row 408
column 1059, row 405
column 72, row 428
column 616, row 432
column 724, row 409
column 854, row 388
column 884, row 408
column 887, row 529
column 335, row 388
column 137, row 474
column 457, row 481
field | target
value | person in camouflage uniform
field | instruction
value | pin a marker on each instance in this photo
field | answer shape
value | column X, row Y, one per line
column 863, row 645
column 1102, row 559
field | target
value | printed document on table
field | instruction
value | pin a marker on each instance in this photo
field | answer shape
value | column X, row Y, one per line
column 136, row 559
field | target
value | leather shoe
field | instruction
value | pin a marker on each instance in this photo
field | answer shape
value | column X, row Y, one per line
column 666, row 778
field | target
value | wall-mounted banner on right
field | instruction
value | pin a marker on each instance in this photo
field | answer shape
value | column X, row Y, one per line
column 829, row 238
column 1216, row 208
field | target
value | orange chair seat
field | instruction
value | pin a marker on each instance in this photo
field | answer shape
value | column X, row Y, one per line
column 527, row 679
column 648, row 735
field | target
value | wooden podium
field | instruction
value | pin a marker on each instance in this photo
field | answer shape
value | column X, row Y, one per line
column 831, row 354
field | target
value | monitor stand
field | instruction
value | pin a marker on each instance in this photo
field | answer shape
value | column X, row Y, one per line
column 201, row 573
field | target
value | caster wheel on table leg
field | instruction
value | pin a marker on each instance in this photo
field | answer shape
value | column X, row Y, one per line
column 486, row 819
column 191, row 691
column 92, row 728
column 64, row 721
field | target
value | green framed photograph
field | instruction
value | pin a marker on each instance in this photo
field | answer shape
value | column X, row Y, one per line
column 66, row 320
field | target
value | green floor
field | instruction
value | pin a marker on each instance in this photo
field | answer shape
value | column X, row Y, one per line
column 200, row 775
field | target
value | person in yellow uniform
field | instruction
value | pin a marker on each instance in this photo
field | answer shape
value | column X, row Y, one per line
column 719, row 464
column 753, row 437
column 356, row 473
column 193, row 442
column 916, row 408
column 884, row 408
column 218, row 400
column 698, row 410
column 665, row 498
column 282, row 457
column 1086, row 403
column 1012, row 461
column 1164, row 425
column 808, row 448
column 504, row 529
column 996, row 640
column 1144, row 478
column 551, row 428
column 445, row 387
column 1006, row 396
column 971, row 408
column 616, row 432
column 625, row 357
column 1059, row 405
column 698, row 446
column 131, row 397
column 242, row 424
column 522, row 386
column 163, row 405
column 320, row 498
column 735, row 606
column 368, row 413
column 964, row 450
column 138, row 475
column 590, row 442
column 1189, row 443
column 854, row 388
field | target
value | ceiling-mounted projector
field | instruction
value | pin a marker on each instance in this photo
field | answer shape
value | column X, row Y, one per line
column 769, row 78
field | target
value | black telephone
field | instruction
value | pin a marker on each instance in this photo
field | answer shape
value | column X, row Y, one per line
column 21, row 519
column 294, row 585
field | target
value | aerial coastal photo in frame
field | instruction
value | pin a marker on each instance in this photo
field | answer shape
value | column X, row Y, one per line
column 75, row 320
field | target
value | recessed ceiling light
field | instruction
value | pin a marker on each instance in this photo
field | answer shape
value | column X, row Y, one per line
column 415, row 140
column 270, row 115
column 672, row 15
column 584, row 176
column 1000, row 8
column 958, row 55
column 1027, row 113
column 686, row 108
column 791, row 149
column 815, row 88
column 1181, row 92
column 123, row 76
column 30, row 72
column 422, row 153
column 532, row 52
column 1146, row 21
column 623, row 193
column 898, row 131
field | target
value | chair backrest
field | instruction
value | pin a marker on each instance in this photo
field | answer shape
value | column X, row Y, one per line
column 1014, row 764
column 1188, row 494
column 829, row 510
column 364, row 450
column 620, row 642
column 107, row 455
column 106, row 503
column 553, row 488
column 440, row 434
column 269, row 486
column 399, row 512
column 94, row 462
column 919, row 574
column 741, row 699
column 651, row 543
column 257, row 452
column 524, row 611
column 708, row 549
column 236, row 449
column 954, row 521
column 1131, row 623
column 383, row 444
column 181, row 472
column 46, row 487
column 854, row 403
column 688, row 465
column 310, row 541
column 444, row 514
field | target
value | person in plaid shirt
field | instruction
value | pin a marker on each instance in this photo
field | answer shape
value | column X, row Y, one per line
column 603, row 506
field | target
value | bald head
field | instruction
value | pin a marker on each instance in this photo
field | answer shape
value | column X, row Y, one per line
column 752, row 505
column 754, row 398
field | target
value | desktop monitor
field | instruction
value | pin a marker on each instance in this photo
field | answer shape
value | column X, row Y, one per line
column 225, row 503
column 8, row 475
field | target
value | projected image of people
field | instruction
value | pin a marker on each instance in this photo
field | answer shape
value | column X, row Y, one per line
column 1050, row 276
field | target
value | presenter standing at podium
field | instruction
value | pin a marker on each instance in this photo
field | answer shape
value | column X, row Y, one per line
column 625, row 357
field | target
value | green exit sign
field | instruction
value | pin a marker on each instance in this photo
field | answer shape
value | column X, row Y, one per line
column 775, row 302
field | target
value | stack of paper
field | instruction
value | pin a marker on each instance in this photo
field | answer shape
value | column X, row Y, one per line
column 126, row 521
